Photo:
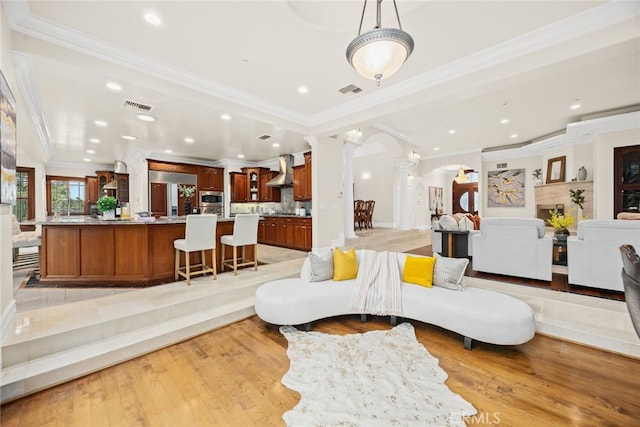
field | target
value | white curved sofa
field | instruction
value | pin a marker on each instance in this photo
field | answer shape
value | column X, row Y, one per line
column 593, row 256
column 513, row 247
column 476, row 314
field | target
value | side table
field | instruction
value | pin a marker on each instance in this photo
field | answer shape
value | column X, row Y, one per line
column 559, row 252
column 455, row 243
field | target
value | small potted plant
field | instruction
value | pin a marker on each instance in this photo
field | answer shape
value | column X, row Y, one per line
column 537, row 175
column 107, row 205
column 187, row 191
column 577, row 197
column 561, row 224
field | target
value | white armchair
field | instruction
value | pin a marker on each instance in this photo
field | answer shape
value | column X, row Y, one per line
column 513, row 247
column 593, row 256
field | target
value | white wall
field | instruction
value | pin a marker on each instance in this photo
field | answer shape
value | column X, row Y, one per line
column 327, row 190
column 603, row 169
column 7, row 303
column 439, row 172
column 379, row 167
column 529, row 208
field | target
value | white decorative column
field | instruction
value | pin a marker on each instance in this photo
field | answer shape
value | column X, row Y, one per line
column 347, row 150
column 402, row 190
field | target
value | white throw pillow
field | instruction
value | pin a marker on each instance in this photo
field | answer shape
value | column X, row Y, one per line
column 321, row 266
column 447, row 222
column 449, row 272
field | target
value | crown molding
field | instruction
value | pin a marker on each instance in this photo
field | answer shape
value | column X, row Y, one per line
column 401, row 136
column 588, row 21
column 80, row 165
column 28, row 87
column 582, row 132
column 21, row 20
column 572, row 27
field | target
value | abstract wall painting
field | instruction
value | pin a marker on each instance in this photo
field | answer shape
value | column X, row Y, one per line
column 7, row 143
column 505, row 188
column 435, row 200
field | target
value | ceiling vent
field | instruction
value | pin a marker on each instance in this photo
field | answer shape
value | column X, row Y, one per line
column 136, row 106
column 350, row 89
column 264, row 137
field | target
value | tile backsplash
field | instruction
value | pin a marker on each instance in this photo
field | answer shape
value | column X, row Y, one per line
column 287, row 205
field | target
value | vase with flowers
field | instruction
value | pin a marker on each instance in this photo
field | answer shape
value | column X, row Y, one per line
column 561, row 223
column 187, row 191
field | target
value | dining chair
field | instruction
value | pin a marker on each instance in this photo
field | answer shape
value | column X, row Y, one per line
column 358, row 213
column 631, row 281
column 200, row 235
column 245, row 232
column 368, row 213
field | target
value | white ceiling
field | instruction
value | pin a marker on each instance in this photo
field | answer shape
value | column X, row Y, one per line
column 474, row 63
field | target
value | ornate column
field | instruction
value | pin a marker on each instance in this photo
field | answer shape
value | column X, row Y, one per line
column 347, row 150
column 402, row 190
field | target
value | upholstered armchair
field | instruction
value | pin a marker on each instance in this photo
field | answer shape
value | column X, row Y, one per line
column 593, row 255
column 513, row 247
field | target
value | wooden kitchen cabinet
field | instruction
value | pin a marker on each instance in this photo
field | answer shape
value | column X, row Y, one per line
column 287, row 232
column 122, row 184
column 211, row 178
column 239, row 187
column 104, row 177
column 91, row 183
column 302, row 179
column 266, row 193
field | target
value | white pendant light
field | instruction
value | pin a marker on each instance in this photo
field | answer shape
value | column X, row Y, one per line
column 380, row 52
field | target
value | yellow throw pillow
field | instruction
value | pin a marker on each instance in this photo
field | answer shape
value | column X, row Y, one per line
column 345, row 264
column 419, row 271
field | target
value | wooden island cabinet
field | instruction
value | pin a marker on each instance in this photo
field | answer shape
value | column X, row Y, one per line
column 88, row 251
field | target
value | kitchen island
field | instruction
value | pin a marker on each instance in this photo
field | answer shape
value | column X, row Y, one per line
column 86, row 251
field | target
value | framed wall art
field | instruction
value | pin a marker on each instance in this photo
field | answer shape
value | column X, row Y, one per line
column 555, row 169
column 7, row 143
column 505, row 188
column 435, row 200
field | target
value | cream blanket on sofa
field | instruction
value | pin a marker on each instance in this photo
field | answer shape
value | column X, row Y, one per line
column 378, row 290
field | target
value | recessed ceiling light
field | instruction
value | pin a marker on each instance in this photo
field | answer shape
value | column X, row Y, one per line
column 575, row 105
column 129, row 137
column 514, row 135
column 114, row 86
column 275, row 144
column 303, row 89
column 168, row 151
column 146, row 118
column 86, row 160
column 188, row 140
column 225, row 117
column 241, row 156
column 94, row 140
column 436, row 148
column 100, row 123
column 504, row 121
column 91, row 151
column 152, row 19
column 452, row 131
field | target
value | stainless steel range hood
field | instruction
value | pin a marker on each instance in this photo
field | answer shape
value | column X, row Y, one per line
column 285, row 177
column 118, row 167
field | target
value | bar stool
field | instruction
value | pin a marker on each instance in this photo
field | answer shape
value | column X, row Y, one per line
column 200, row 235
column 245, row 232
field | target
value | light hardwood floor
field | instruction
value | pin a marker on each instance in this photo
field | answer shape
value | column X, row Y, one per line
column 231, row 377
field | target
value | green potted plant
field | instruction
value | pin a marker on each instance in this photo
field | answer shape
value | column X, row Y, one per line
column 577, row 197
column 561, row 224
column 107, row 205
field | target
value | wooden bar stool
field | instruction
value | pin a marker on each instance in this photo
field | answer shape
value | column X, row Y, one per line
column 200, row 235
column 245, row 232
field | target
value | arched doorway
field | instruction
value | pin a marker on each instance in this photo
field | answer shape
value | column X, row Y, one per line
column 465, row 193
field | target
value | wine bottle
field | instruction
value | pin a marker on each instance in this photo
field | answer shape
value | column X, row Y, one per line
column 118, row 209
